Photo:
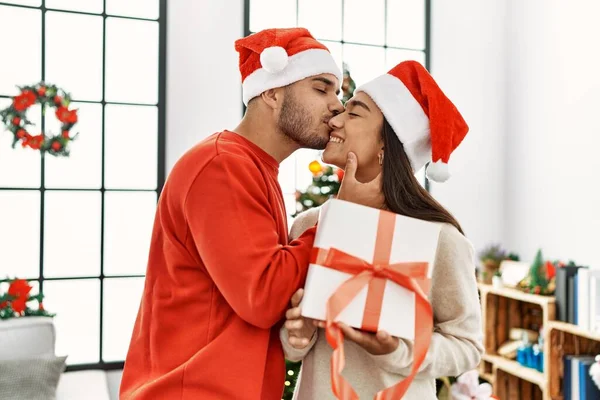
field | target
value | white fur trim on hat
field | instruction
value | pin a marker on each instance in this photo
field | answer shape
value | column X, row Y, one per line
column 404, row 114
column 438, row 171
column 274, row 59
column 299, row 66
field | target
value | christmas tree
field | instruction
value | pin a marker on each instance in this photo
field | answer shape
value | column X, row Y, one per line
column 541, row 277
column 325, row 184
column 348, row 85
column 538, row 272
column 292, row 368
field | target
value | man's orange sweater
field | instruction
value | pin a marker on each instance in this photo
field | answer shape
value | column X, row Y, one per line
column 219, row 279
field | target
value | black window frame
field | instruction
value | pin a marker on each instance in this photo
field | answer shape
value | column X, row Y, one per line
column 161, row 158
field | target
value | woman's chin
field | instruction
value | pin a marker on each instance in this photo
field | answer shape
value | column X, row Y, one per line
column 334, row 158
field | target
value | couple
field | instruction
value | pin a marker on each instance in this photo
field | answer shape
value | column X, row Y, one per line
column 222, row 271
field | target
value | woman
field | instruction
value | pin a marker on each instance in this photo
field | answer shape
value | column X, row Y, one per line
column 394, row 125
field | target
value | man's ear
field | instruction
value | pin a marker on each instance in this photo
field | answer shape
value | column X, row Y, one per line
column 273, row 97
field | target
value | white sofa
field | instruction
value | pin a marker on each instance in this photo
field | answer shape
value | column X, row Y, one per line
column 30, row 337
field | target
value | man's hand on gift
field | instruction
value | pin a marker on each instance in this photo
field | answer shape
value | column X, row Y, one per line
column 368, row 194
column 300, row 329
column 376, row 344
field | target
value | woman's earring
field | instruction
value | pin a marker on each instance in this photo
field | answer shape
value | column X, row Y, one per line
column 380, row 158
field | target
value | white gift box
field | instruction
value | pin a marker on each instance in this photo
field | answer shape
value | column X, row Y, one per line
column 352, row 228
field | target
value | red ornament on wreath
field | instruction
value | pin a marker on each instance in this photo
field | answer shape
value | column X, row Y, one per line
column 15, row 119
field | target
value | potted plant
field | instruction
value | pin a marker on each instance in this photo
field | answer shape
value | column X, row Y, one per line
column 497, row 279
column 490, row 258
column 17, row 301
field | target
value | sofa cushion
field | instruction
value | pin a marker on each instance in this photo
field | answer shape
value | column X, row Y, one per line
column 31, row 379
column 26, row 337
column 88, row 385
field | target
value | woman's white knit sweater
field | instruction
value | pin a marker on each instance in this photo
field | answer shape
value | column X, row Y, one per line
column 456, row 344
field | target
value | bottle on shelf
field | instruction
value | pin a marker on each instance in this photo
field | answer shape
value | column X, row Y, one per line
column 525, row 351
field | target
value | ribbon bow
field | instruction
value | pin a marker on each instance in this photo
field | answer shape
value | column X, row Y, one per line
column 410, row 275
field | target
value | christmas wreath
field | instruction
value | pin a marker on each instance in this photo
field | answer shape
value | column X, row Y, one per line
column 14, row 303
column 15, row 118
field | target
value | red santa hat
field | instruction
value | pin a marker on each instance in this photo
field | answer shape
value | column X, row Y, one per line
column 279, row 57
column 425, row 120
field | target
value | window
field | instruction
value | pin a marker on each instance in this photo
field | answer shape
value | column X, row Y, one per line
column 369, row 37
column 80, row 227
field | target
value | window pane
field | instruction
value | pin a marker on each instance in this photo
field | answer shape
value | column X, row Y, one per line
column 131, row 129
column 364, row 62
column 77, row 307
column 266, row 14
column 20, row 233
column 25, row 161
column 335, row 48
column 322, row 18
column 133, row 8
column 83, row 167
column 25, row 69
column 128, row 221
column 395, row 56
column 121, row 303
column 406, row 23
column 287, row 175
column 81, row 76
column 131, row 61
column 32, row 3
column 91, row 6
column 72, row 233
column 364, row 21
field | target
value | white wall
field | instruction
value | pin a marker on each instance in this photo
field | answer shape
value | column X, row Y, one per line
column 468, row 56
column 203, row 80
column 553, row 129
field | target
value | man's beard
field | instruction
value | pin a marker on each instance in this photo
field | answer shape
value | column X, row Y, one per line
column 297, row 124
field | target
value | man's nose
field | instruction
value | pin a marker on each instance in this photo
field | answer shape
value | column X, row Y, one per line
column 336, row 107
column 336, row 122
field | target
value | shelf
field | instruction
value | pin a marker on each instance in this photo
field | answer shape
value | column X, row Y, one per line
column 516, row 369
column 488, row 377
column 517, row 295
column 574, row 329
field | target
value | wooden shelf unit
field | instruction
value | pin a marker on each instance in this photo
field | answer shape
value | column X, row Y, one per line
column 503, row 309
column 565, row 338
column 507, row 308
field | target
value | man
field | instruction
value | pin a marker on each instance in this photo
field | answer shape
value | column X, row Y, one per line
column 220, row 270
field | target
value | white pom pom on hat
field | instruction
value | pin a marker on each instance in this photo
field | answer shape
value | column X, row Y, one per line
column 438, row 171
column 274, row 59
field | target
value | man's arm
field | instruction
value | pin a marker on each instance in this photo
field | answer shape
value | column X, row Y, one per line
column 230, row 220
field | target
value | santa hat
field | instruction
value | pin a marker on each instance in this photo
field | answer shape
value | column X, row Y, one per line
column 275, row 58
column 425, row 120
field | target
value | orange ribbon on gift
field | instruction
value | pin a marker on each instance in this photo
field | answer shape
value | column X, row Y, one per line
column 410, row 275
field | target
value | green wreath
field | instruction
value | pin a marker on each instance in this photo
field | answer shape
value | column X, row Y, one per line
column 15, row 118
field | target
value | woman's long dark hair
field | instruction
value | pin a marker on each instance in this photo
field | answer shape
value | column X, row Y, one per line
column 403, row 194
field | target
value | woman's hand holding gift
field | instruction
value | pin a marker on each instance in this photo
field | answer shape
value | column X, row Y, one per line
column 377, row 344
column 300, row 329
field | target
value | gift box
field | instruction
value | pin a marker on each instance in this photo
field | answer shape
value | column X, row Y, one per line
column 384, row 252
